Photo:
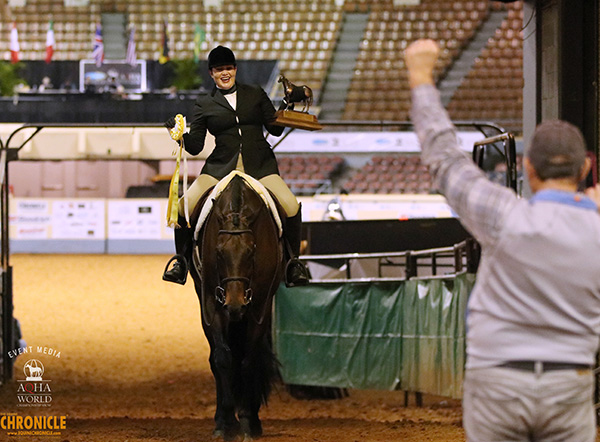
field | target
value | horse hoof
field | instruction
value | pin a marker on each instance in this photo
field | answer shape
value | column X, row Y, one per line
column 226, row 435
column 251, row 428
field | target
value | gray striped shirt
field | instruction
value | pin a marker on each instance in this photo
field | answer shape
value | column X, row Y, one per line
column 537, row 293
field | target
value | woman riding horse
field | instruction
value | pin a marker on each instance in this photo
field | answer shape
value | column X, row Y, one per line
column 235, row 113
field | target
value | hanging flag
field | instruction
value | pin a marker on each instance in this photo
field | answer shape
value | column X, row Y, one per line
column 15, row 49
column 98, row 51
column 199, row 37
column 131, row 55
column 164, row 45
column 50, row 42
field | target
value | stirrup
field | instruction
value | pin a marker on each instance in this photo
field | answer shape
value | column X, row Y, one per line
column 167, row 276
column 301, row 279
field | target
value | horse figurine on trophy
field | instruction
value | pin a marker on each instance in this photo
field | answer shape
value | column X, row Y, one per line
column 297, row 119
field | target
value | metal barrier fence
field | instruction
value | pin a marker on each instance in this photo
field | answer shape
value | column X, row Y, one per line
column 394, row 333
column 460, row 258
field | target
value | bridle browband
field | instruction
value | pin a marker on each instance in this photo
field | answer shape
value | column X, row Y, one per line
column 219, row 290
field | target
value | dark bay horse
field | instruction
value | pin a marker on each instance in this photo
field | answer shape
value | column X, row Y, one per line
column 238, row 265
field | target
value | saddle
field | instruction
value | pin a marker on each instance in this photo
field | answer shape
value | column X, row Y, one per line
column 221, row 185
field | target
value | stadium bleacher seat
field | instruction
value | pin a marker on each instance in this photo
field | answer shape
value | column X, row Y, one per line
column 386, row 174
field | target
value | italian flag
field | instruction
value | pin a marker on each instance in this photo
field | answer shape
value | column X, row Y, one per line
column 14, row 44
column 50, row 43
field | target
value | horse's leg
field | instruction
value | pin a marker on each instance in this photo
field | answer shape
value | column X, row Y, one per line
column 251, row 426
column 259, row 371
column 221, row 364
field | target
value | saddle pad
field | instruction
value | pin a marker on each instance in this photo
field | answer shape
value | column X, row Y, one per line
column 258, row 187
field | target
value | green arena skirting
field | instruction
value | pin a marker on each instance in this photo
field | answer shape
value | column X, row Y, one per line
column 401, row 335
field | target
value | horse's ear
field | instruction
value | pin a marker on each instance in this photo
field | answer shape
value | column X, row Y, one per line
column 217, row 210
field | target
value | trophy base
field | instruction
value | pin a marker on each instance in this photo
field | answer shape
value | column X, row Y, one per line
column 298, row 120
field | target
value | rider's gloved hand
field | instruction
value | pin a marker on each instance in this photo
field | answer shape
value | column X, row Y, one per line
column 170, row 123
column 285, row 105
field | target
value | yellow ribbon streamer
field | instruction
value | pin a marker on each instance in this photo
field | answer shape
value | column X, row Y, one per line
column 173, row 206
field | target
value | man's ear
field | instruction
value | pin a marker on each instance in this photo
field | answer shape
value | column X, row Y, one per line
column 529, row 169
column 585, row 169
column 532, row 177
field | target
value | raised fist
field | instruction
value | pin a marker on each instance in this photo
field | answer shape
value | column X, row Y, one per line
column 420, row 58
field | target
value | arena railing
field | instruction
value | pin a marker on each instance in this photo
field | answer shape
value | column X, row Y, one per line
column 460, row 258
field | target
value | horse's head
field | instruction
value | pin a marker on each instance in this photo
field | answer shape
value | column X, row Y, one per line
column 235, row 257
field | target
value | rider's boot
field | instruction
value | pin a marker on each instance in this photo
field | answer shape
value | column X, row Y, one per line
column 296, row 272
column 182, row 259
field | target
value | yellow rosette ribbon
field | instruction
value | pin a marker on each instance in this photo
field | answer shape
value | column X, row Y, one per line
column 172, row 206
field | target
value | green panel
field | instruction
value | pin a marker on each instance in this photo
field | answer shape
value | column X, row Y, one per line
column 434, row 335
column 374, row 335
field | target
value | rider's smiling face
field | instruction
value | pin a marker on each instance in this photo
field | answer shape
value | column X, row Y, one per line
column 224, row 76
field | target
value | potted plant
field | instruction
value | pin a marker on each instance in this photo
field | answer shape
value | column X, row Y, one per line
column 9, row 78
column 186, row 75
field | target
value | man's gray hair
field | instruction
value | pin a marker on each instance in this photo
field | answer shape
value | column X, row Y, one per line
column 557, row 150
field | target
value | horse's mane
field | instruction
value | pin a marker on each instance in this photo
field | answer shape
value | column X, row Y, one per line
column 237, row 200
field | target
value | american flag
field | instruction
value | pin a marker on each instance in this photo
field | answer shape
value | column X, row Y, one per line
column 98, row 51
column 131, row 56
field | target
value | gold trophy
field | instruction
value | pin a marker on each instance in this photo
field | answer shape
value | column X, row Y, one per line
column 297, row 119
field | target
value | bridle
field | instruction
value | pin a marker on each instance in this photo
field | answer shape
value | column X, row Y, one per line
column 219, row 289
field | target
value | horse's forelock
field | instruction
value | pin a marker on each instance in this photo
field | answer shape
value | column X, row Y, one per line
column 238, row 205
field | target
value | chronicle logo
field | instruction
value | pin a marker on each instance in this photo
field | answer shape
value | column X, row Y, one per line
column 34, row 391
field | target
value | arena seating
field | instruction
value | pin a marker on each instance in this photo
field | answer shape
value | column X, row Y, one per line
column 379, row 90
column 302, row 35
column 496, row 77
column 307, row 175
column 391, row 174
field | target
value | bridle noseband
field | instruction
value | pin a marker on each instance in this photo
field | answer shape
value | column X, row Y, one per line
column 220, row 290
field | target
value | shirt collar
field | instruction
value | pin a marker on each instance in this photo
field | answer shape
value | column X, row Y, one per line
column 562, row 197
column 231, row 90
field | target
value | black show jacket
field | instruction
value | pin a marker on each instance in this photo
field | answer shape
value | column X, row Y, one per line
column 212, row 112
